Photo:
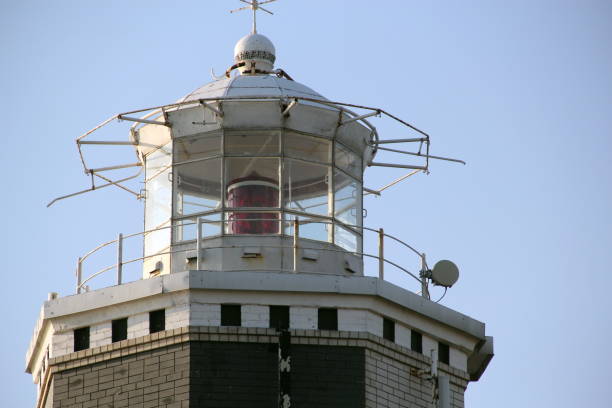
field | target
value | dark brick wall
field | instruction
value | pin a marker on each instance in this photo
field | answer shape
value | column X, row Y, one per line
column 201, row 374
column 234, row 375
column 327, row 376
column 158, row 378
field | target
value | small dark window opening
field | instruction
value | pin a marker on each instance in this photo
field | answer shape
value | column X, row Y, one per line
column 328, row 319
column 119, row 329
column 416, row 341
column 157, row 321
column 443, row 353
column 279, row 317
column 231, row 315
column 81, row 338
column 389, row 329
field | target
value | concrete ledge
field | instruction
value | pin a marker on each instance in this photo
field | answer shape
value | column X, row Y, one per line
column 264, row 282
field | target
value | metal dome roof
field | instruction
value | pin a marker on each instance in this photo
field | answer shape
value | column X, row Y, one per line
column 252, row 85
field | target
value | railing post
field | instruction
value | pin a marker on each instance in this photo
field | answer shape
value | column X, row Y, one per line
column 381, row 254
column 119, row 259
column 79, row 276
column 296, row 234
column 198, row 242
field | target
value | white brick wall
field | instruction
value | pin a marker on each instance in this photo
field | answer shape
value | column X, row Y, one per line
column 255, row 316
column 177, row 316
column 458, row 359
column 360, row 320
column 100, row 334
column 303, row 317
column 62, row 343
column 204, row 314
column 352, row 320
column 374, row 324
column 138, row 325
column 402, row 335
column 428, row 345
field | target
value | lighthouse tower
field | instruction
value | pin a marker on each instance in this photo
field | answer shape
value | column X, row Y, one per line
column 252, row 289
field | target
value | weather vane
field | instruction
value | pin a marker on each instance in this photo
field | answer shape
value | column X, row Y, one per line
column 254, row 5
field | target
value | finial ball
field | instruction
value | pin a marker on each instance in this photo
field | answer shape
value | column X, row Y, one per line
column 257, row 48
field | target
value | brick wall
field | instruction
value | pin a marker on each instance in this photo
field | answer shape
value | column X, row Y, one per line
column 234, row 375
column 204, row 314
column 237, row 367
column 255, row 316
column 156, row 378
column 327, row 377
column 393, row 382
column 303, row 317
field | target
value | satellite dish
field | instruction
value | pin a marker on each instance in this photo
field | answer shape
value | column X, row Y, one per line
column 445, row 273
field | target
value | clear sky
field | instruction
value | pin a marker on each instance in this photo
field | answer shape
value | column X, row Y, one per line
column 521, row 90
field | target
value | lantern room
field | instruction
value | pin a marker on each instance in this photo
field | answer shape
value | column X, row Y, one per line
column 246, row 160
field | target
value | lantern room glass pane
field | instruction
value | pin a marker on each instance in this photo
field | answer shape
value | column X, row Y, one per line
column 185, row 230
column 240, row 223
column 211, row 225
column 347, row 199
column 156, row 241
column 158, row 200
column 345, row 238
column 251, row 182
column 200, row 146
column 348, row 161
column 252, row 143
column 306, row 187
column 157, row 161
column 307, row 147
column 310, row 228
column 198, row 186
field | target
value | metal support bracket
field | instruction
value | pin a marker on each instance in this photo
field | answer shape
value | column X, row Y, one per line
column 105, row 142
column 207, row 106
column 120, row 166
column 138, row 120
column 291, row 105
column 411, row 140
column 356, row 118
column 399, row 166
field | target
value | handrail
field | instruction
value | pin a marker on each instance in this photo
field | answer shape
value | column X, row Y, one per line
column 295, row 246
column 96, row 249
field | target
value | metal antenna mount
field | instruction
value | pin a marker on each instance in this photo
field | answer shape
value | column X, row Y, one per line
column 254, row 5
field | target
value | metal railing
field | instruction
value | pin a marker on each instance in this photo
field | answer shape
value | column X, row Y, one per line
column 121, row 262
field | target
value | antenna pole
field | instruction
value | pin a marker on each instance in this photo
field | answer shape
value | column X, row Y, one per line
column 119, row 259
column 424, row 288
column 254, row 8
column 381, row 254
column 79, row 275
column 254, row 5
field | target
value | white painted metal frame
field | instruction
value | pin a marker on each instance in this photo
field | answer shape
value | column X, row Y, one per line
column 206, row 103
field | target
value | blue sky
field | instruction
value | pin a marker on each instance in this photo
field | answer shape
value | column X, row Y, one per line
column 521, row 90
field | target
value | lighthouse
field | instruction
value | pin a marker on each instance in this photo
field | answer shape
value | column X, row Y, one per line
column 252, row 290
